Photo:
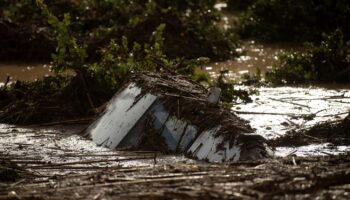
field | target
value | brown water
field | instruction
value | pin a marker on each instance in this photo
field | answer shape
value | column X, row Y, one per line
column 284, row 103
column 253, row 56
column 23, row 71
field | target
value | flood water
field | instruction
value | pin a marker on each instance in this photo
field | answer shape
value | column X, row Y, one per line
column 253, row 56
column 273, row 112
column 23, row 71
column 66, row 151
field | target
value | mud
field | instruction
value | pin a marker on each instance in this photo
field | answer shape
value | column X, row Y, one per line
column 49, row 100
column 58, row 164
column 336, row 133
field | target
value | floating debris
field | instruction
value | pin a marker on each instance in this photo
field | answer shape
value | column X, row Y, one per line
column 169, row 113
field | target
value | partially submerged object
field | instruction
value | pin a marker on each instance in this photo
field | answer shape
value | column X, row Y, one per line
column 169, row 113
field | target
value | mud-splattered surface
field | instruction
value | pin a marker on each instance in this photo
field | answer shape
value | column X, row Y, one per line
column 57, row 163
column 54, row 164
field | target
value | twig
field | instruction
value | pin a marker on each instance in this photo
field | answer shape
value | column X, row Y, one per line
column 297, row 104
column 326, row 153
column 178, row 108
column 65, row 122
column 292, row 152
column 160, row 180
column 294, row 163
column 266, row 113
column 6, row 82
column 87, row 92
column 321, row 98
column 185, row 97
column 331, row 115
column 96, row 161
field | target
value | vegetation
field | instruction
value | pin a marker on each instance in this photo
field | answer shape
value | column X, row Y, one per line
column 327, row 62
column 100, row 68
column 104, row 42
column 239, row 5
column 190, row 32
column 322, row 25
column 295, row 20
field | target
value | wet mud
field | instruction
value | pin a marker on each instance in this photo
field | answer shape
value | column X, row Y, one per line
column 56, row 163
column 335, row 133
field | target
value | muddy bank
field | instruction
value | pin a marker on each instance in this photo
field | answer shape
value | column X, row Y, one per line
column 284, row 178
column 51, row 99
column 57, row 163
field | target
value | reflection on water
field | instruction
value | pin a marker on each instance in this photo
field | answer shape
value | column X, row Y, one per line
column 274, row 111
column 312, row 150
column 254, row 56
column 23, row 71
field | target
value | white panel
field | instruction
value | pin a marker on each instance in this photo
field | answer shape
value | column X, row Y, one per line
column 203, row 144
column 205, row 148
column 187, row 138
column 120, row 117
column 172, row 132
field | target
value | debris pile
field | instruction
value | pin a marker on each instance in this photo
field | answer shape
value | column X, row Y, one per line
column 170, row 113
column 9, row 171
column 334, row 132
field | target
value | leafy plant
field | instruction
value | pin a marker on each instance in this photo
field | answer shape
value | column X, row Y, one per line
column 327, row 62
column 69, row 54
column 191, row 32
column 294, row 20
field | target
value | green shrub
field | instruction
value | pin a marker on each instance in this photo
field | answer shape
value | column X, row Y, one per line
column 295, row 20
column 240, row 5
column 191, row 25
column 327, row 62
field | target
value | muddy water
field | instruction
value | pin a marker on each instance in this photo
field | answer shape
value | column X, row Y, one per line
column 254, row 56
column 59, row 149
column 23, row 71
column 272, row 113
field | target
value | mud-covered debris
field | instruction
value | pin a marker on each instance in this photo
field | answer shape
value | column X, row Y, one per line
column 180, row 113
column 335, row 132
column 9, row 172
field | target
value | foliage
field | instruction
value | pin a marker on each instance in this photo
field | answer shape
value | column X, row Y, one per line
column 161, row 36
column 327, row 62
column 254, row 79
column 191, row 25
column 228, row 93
column 68, row 53
column 295, row 20
column 240, row 5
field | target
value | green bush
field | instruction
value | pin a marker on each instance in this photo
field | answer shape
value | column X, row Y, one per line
column 295, row 20
column 191, row 29
column 327, row 62
column 239, row 5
